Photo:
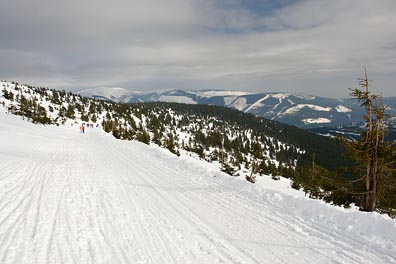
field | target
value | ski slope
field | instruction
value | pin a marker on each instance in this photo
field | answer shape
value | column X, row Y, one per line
column 66, row 197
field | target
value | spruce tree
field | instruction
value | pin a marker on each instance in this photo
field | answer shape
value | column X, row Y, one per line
column 372, row 151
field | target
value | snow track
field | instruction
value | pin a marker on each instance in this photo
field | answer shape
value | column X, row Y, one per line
column 72, row 198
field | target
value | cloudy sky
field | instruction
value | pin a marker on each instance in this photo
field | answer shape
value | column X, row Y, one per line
column 307, row 46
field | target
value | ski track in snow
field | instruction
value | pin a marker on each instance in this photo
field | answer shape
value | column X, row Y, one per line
column 72, row 198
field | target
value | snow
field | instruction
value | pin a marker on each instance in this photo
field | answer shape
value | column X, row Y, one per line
column 343, row 109
column 280, row 96
column 290, row 102
column 299, row 107
column 176, row 99
column 215, row 93
column 257, row 103
column 67, row 197
column 113, row 93
column 238, row 103
column 319, row 120
column 305, row 96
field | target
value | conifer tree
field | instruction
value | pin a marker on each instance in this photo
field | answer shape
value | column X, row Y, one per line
column 143, row 136
column 70, row 111
column 372, row 151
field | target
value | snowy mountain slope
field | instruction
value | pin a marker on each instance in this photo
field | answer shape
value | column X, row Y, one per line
column 196, row 130
column 73, row 198
column 118, row 94
column 301, row 110
column 241, row 142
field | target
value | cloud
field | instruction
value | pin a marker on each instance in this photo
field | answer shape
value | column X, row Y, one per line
column 313, row 46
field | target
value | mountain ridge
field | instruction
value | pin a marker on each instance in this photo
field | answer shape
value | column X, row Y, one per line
column 301, row 110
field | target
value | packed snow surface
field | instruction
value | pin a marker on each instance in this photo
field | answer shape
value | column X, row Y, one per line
column 67, row 197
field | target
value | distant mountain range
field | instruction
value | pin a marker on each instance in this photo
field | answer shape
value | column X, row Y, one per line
column 301, row 110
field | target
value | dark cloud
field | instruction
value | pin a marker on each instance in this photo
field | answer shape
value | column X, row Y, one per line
column 313, row 46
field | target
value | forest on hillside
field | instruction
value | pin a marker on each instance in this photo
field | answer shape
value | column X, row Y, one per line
column 242, row 143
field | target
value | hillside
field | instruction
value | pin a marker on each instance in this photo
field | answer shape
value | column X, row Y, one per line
column 241, row 144
column 89, row 198
column 275, row 147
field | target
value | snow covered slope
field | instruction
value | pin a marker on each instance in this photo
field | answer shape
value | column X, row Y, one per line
column 67, row 197
column 118, row 94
